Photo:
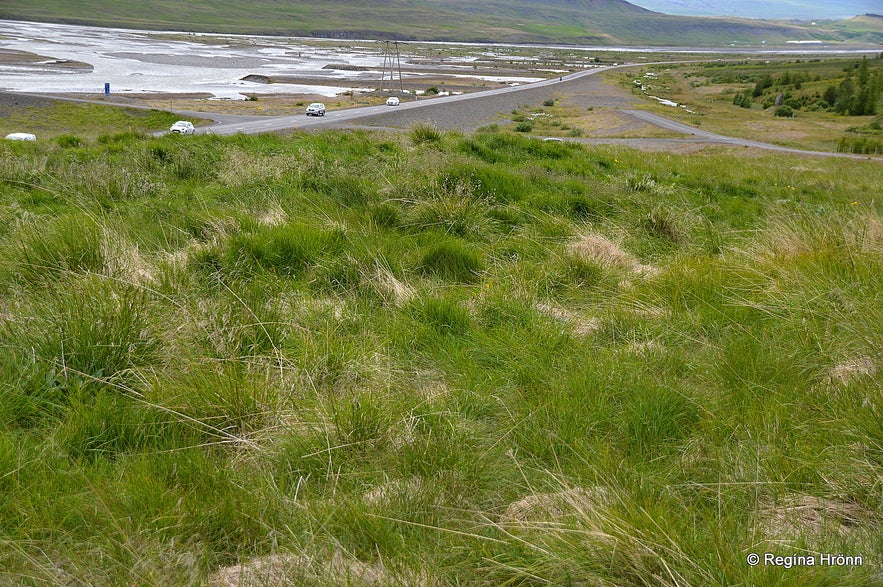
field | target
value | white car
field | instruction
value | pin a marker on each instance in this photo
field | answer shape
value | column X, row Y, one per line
column 20, row 136
column 316, row 109
column 183, row 127
column 392, row 101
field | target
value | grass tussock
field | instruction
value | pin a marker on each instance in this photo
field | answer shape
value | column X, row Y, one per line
column 424, row 133
column 452, row 259
column 538, row 364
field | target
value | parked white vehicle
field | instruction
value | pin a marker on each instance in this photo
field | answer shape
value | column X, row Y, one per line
column 392, row 101
column 183, row 127
column 20, row 136
column 316, row 109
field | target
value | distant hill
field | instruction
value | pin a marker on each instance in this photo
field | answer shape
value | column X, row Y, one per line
column 782, row 9
column 512, row 21
column 867, row 26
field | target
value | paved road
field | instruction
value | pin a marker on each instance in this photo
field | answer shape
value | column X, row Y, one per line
column 461, row 112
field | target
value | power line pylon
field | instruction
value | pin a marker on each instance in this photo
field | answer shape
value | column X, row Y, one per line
column 392, row 57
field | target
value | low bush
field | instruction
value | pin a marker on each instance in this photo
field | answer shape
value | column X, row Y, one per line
column 68, row 141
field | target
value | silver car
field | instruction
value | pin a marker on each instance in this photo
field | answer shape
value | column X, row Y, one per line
column 183, row 127
column 316, row 109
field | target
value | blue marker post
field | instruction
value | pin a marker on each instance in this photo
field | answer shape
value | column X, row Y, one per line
column 107, row 89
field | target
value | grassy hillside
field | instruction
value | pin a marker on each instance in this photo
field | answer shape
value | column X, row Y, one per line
column 433, row 359
column 868, row 26
column 559, row 21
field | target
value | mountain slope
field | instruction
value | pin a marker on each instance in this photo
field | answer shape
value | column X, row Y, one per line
column 787, row 9
column 514, row 21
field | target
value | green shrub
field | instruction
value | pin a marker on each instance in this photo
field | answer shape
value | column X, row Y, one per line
column 860, row 145
column 120, row 137
column 68, row 141
column 525, row 126
column 185, row 160
column 743, row 99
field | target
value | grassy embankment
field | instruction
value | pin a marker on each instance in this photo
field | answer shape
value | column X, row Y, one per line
column 52, row 119
column 434, row 359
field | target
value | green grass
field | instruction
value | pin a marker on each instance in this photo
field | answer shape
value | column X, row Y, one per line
column 445, row 360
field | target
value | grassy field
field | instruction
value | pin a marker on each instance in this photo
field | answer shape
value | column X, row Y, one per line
column 708, row 92
column 436, row 359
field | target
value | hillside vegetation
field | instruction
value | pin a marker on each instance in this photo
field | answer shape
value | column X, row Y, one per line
column 823, row 104
column 435, row 359
column 514, row 21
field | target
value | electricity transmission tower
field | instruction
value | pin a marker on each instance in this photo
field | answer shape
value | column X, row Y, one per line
column 392, row 57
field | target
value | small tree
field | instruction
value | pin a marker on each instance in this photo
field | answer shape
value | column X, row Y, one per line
column 763, row 83
column 785, row 112
column 743, row 99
